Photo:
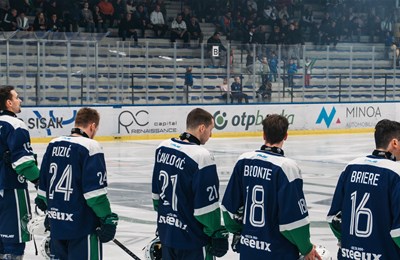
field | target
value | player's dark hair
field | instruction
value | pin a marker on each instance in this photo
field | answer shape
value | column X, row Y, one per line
column 86, row 116
column 197, row 117
column 385, row 131
column 5, row 94
column 275, row 128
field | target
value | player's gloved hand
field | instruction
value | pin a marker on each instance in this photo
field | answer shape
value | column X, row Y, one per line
column 219, row 243
column 236, row 242
column 108, row 227
column 40, row 203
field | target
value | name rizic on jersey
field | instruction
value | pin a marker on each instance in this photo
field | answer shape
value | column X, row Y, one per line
column 368, row 178
column 170, row 159
column 61, row 151
column 359, row 254
column 257, row 172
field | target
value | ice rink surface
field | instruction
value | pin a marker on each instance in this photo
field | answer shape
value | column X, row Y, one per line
column 320, row 157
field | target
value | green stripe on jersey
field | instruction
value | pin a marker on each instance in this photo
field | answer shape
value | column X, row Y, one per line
column 23, row 214
column 94, row 248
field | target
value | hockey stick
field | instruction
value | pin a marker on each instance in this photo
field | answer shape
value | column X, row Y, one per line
column 129, row 252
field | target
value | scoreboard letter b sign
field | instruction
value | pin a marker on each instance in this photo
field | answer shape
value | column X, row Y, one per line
column 215, row 51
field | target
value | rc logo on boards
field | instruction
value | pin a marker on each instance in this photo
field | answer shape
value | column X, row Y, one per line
column 139, row 123
column 327, row 118
column 246, row 120
column 50, row 122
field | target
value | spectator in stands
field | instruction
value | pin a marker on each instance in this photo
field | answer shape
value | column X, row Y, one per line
column 23, row 22
column 251, row 6
column 194, row 30
column 186, row 14
column 54, row 24
column 293, row 40
column 356, row 26
column 316, row 35
column 179, row 30
column 158, row 23
column 40, row 22
column 389, row 40
column 10, row 21
column 264, row 92
column 188, row 78
column 107, row 12
column 226, row 25
column 273, row 66
column 127, row 29
column 331, row 35
column 250, row 62
column 52, row 8
column 98, row 20
column 307, row 20
column 343, row 28
column 291, row 71
column 225, row 90
column 130, row 6
column 22, row 6
column 141, row 20
column 71, row 17
column 87, row 18
column 265, row 70
column 215, row 42
column 283, row 13
column 119, row 11
column 237, row 91
column 276, row 37
column 4, row 8
column 308, row 65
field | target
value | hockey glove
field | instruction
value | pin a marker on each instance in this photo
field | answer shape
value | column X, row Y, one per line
column 219, row 243
column 41, row 204
column 236, row 242
column 108, row 227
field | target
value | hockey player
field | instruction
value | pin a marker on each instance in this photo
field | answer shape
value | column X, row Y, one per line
column 264, row 204
column 73, row 182
column 367, row 197
column 17, row 164
column 185, row 190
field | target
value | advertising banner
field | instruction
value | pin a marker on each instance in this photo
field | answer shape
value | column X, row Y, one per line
column 145, row 122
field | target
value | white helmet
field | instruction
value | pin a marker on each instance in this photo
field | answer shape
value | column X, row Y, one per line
column 153, row 250
column 323, row 252
column 45, row 247
column 36, row 226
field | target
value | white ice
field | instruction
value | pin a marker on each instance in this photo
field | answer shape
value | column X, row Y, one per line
column 129, row 164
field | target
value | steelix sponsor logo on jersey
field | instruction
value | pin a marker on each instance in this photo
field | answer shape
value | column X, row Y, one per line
column 172, row 220
column 49, row 122
column 359, row 254
column 246, row 120
column 60, row 215
column 253, row 242
column 327, row 118
column 139, row 123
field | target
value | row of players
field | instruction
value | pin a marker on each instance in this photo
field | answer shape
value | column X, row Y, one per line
column 263, row 205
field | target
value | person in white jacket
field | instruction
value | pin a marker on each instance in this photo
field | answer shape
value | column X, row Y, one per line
column 157, row 20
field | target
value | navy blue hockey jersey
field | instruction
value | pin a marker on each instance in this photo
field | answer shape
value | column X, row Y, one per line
column 15, row 138
column 265, row 189
column 73, row 170
column 185, row 182
column 368, row 195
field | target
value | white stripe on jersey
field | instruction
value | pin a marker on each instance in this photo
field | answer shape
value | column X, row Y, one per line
column 395, row 232
column 18, row 215
column 95, row 193
column 155, row 196
column 14, row 122
column 289, row 167
column 22, row 160
column 41, row 193
column 294, row 225
column 377, row 162
column 91, row 145
column 206, row 209
column 197, row 153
